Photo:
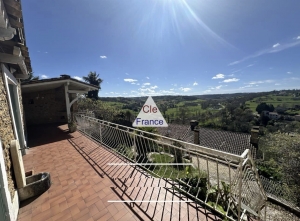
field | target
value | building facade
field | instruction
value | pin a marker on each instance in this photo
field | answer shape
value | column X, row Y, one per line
column 14, row 65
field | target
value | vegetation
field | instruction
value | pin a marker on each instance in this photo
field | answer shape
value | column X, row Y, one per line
column 281, row 157
column 93, row 78
column 264, row 107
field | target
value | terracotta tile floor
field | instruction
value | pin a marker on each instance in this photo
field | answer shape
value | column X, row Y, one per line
column 83, row 184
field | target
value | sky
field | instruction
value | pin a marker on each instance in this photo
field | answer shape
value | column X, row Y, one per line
column 167, row 47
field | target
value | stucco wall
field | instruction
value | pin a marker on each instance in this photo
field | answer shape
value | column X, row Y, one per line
column 45, row 107
column 6, row 134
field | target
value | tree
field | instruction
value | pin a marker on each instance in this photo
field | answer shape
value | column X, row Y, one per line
column 264, row 107
column 183, row 113
column 281, row 153
column 93, row 78
column 31, row 78
column 128, row 115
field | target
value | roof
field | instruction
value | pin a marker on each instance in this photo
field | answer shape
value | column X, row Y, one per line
column 13, row 48
column 231, row 142
column 51, row 83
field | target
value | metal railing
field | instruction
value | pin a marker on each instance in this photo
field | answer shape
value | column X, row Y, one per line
column 226, row 183
column 281, row 194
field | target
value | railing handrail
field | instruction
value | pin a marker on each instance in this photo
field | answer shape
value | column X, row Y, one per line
column 220, row 168
column 203, row 149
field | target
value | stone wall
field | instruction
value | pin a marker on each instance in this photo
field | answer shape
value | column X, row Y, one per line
column 6, row 134
column 45, row 107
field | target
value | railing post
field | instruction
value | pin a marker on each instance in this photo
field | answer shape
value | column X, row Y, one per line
column 100, row 133
column 134, row 147
column 84, row 123
column 240, row 188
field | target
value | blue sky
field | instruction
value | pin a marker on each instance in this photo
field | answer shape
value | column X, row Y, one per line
column 167, row 47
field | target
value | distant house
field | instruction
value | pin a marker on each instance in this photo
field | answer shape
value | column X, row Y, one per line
column 230, row 142
column 274, row 115
column 265, row 113
column 271, row 115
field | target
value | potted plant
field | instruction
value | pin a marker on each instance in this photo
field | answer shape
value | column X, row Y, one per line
column 72, row 124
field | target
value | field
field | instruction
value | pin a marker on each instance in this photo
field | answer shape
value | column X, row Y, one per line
column 179, row 107
column 285, row 101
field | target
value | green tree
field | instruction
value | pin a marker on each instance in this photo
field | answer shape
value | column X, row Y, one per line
column 93, row 78
column 182, row 114
column 128, row 115
column 264, row 107
column 281, row 153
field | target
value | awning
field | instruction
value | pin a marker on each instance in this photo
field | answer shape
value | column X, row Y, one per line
column 72, row 86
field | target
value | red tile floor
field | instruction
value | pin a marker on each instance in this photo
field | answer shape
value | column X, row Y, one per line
column 83, row 184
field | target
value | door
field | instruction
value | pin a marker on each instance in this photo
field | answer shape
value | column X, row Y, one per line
column 14, row 106
column 14, row 99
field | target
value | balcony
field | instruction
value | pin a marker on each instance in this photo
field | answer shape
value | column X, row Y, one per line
column 110, row 172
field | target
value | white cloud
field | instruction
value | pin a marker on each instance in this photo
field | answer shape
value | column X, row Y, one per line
column 206, row 91
column 298, row 38
column 246, row 86
column 175, row 85
column 129, row 80
column 78, row 78
column 231, row 80
column 235, row 71
column 126, row 73
column 103, row 56
column 250, row 65
column 296, row 79
column 275, row 48
column 146, row 89
column 154, row 87
column 261, row 82
column 289, row 72
column 146, row 84
column 185, row 89
column 43, row 76
column 147, row 77
column 195, row 83
column 277, row 84
column 218, row 76
column 218, row 87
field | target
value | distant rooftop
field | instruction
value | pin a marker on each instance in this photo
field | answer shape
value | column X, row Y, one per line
column 52, row 83
column 231, row 142
column 62, row 78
